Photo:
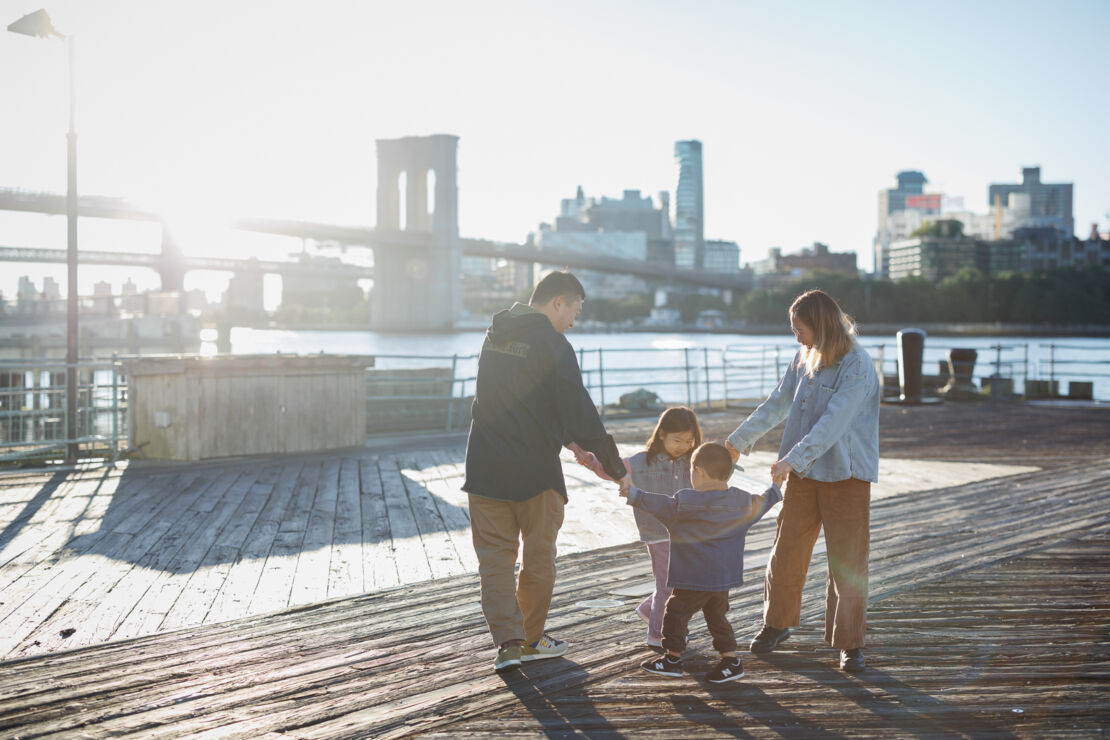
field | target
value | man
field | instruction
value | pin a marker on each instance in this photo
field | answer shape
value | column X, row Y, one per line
column 529, row 401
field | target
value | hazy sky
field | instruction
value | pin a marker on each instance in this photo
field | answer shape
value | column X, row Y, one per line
column 805, row 109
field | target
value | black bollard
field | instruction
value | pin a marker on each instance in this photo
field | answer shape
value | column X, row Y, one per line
column 911, row 347
column 961, row 370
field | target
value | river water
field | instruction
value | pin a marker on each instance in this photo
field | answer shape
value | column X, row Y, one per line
column 683, row 367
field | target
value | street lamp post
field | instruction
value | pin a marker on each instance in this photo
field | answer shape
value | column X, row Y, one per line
column 38, row 24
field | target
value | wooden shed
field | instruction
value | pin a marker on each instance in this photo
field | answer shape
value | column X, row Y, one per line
column 191, row 408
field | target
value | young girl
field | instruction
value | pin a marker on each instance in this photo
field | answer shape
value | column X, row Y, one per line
column 663, row 467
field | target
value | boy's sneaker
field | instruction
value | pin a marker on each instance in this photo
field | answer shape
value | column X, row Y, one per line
column 729, row 669
column 663, row 666
column 508, row 656
column 545, row 647
column 768, row 639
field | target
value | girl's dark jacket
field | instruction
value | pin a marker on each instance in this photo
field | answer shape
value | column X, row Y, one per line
column 529, row 402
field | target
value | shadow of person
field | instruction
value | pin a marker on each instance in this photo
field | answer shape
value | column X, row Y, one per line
column 30, row 508
column 750, row 703
column 901, row 707
column 553, row 692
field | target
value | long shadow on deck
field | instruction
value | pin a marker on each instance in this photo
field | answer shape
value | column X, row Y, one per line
column 895, row 704
column 180, row 518
column 526, row 683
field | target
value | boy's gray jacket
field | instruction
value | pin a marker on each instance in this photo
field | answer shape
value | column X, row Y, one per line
column 832, row 419
column 708, row 530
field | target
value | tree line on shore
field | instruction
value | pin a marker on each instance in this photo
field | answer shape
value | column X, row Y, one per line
column 1058, row 296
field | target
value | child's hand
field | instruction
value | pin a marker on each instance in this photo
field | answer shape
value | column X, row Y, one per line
column 625, row 484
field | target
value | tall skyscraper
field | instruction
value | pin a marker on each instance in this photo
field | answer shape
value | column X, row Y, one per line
column 689, row 206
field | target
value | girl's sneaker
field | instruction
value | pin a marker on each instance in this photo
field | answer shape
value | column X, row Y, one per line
column 663, row 666
column 729, row 669
column 545, row 647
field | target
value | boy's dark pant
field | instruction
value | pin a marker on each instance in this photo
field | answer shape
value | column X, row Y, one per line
column 684, row 604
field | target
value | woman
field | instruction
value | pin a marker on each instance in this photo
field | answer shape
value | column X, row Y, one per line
column 829, row 457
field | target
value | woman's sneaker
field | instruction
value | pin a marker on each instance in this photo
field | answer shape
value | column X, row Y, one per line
column 545, row 647
column 508, row 656
column 664, row 666
column 729, row 669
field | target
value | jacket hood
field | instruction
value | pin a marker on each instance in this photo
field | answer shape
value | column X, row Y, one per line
column 515, row 322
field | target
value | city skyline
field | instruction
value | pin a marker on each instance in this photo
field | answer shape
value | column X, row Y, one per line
column 804, row 112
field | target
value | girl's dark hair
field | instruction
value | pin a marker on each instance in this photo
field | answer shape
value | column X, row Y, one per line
column 674, row 419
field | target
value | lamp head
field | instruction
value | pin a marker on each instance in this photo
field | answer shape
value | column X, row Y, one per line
column 35, row 24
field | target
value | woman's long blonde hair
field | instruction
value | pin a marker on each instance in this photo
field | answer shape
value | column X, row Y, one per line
column 833, row 330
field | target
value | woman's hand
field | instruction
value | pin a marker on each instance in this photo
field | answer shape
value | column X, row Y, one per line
column 780, row 471
column 732, row 451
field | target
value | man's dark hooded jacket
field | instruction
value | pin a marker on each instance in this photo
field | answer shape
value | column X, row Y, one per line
column 529, row 402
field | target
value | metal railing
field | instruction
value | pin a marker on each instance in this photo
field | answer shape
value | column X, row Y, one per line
column 412, row 392
column 33, row 409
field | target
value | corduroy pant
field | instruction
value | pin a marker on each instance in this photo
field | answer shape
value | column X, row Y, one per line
column 684, row 604
column 844, row 509
column 516, row 609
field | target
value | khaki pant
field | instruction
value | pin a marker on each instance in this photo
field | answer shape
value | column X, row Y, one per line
column 516, row 610
column 844, row 508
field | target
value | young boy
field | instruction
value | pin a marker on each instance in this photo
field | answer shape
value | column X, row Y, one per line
column 707, row 525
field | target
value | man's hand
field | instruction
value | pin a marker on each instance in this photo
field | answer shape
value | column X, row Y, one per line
column 780, row 471
column 625, row 484
column 732, row 451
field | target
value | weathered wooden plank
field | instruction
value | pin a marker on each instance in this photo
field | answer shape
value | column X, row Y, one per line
column 345, row 576
column 310, row 581
column 379, row 563
column 408, row 550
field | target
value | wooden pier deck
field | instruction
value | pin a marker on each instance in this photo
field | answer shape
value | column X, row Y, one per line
column 989, row 616
column 104, row 554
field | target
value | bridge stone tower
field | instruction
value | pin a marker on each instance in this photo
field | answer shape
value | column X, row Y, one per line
column 417, row 263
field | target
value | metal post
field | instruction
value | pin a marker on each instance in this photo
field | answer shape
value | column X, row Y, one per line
column 762, row 367
column 708, row 393
column 115, row 403
column 724, row 377
column 71, row 267
column 601, row 380
column 1051, row 367
column 582, row 368
column 1025, row 370
column 998, row 361
column 778, row 373
column 451, row 394
column 686, row 353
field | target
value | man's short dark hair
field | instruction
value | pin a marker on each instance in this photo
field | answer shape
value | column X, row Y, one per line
column 714, row 461
column 554, row 284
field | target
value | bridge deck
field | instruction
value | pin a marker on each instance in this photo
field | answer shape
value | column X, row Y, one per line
column 989, row 615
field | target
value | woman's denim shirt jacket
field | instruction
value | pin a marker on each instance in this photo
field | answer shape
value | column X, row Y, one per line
column 832, row 419
column 707, row 530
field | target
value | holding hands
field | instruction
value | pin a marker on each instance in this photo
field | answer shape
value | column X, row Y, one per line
column 780, row 471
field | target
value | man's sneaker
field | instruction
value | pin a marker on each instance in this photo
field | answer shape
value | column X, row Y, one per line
column 852, row 660
column 545, row 647
column 663, row 666
column 768, row 639
column 508, row 656
column 729, row 669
